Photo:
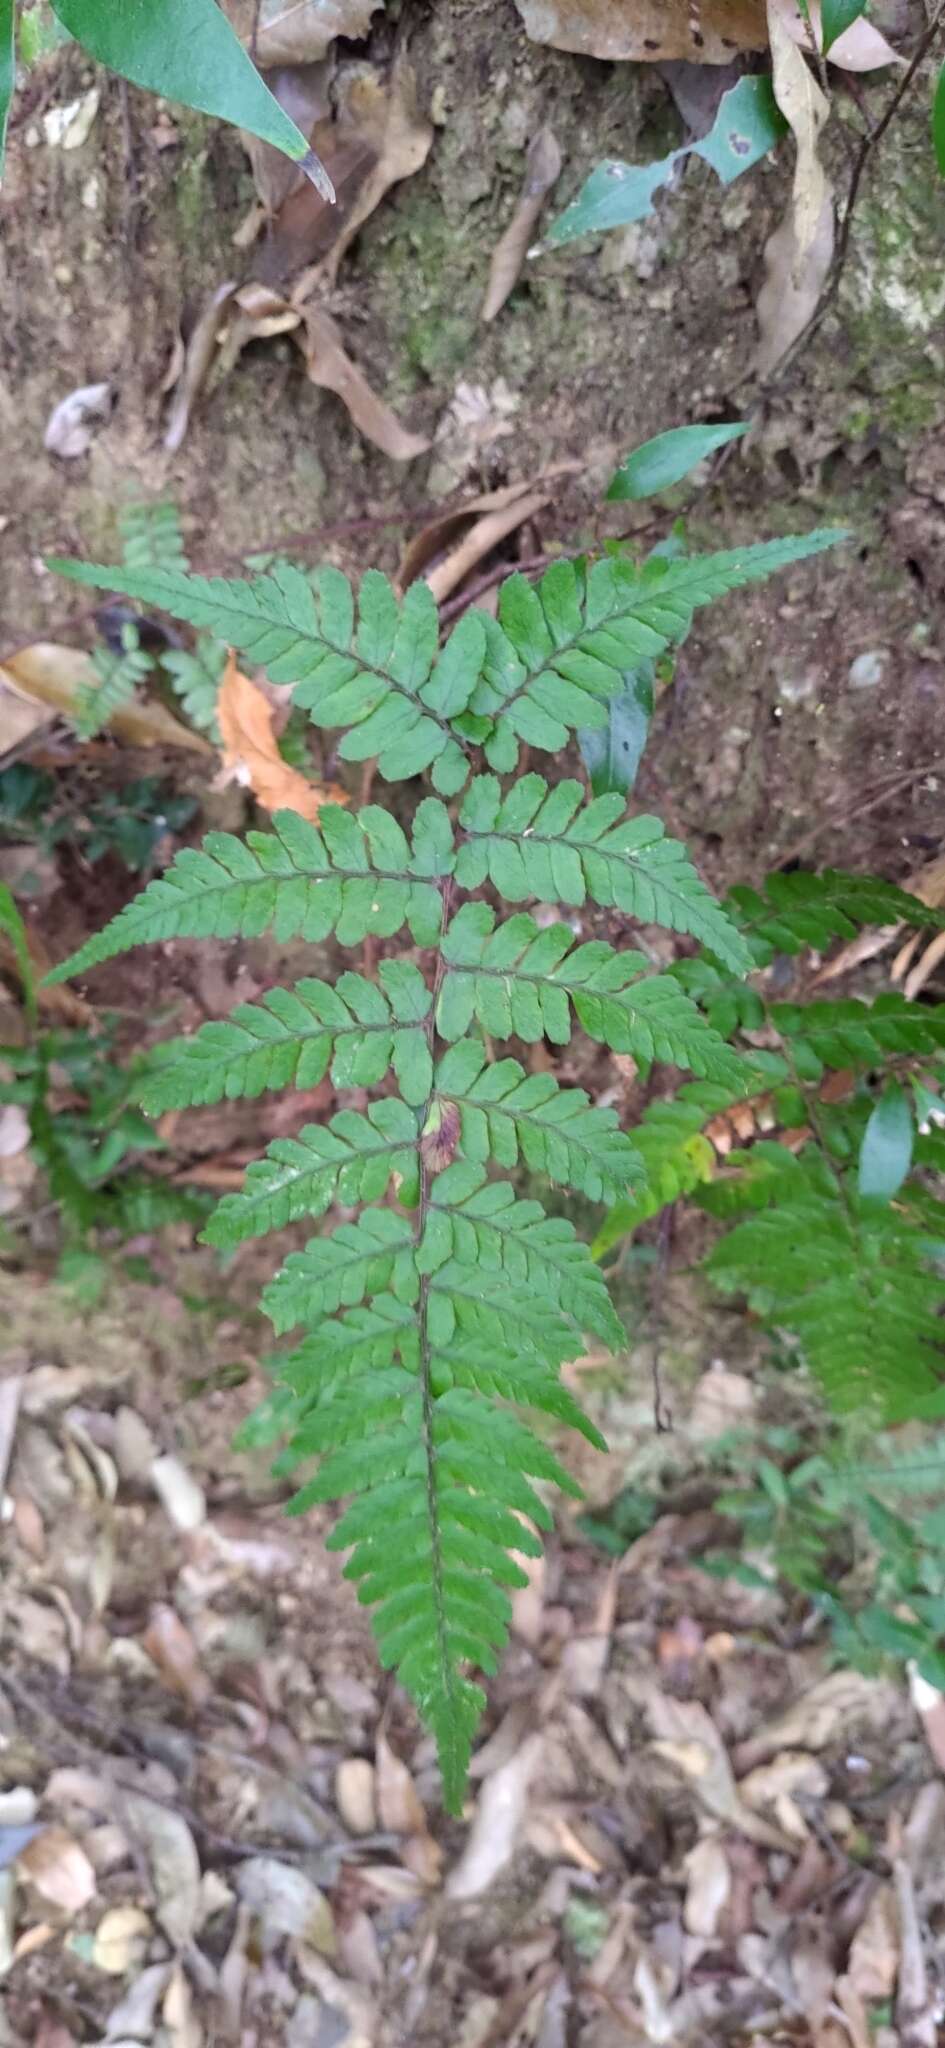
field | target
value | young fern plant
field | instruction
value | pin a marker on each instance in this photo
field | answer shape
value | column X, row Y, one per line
column 837, row 1236
column 449, row 1304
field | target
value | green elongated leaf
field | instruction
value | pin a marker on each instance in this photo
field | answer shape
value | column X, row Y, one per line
column 7, row 72
column 838, row 15
column 186, row 51
column 612, row 757
column 938, row 121
column 12, row 923
column 886, row 1150
column 747, row 125
column 657, row 464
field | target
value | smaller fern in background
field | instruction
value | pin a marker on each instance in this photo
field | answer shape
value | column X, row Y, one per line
column 151, row 539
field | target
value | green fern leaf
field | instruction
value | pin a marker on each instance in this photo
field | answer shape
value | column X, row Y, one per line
column 558, row 652
column 856, row 1034
column 553, row 845
column 520, row 978
column 349, row 1160
column 851, row 1280
column 806, row 909
column 151, row 537
column 379, row 674
column 351, row 876
column 119, row 676
column 507, row 1115
column 293, row 1036
column 195, row 680
column 676, row 1155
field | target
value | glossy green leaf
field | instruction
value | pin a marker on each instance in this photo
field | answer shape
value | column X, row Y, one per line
column 886, row 1151
column 938, row 121
column 747, row 125
column 657, row 464
column 613, row 756
column 7, row 71
column 838, row 15
column 187, row 51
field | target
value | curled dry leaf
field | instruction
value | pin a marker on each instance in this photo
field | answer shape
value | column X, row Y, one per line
column 285, row 1902
column 500, row 1813
column 831, row 1711
column 792, row 287
column 48, row 673
column 57, row 1865
column 173, row 1861
column 542, row 170
column 298, row 31
column 302, row 90
column 790, row 1776
column 332, row 370
column 398, row 1804
column 121, row 1937
column 805, row 108
column 860, row 48
column 874, row 1952
column 373, row 137
column 251, row 752
column 688, row 1739
column 178, row 1492
column 488, row 519
column 708, row 1886
column 647, row 31
column 198, row 357
column 72, row 424
column 172, row 1648
column 355, row 1795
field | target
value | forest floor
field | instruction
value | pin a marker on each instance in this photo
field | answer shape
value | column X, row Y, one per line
column 218, row 1821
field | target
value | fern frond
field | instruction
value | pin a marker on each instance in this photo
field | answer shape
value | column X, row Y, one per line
column 151, row 537
column 808, row 909
column 559, row 650
column 507, row 1115
column 675, row 1153
column 855, row 1034
column 351, row 1159
column 293, row 1036
column 380, row 673
column 520, row 978
column 195, row 680
column 554, row 845
column 118, row 678
column 351, row 876
column 851, row 1280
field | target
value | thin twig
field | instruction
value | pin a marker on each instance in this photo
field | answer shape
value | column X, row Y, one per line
column 890, row 788
column 868, row 144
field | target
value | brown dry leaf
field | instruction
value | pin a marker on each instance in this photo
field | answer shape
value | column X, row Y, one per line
column 374, row 137
column 355, row 1795
column 252, row 755
column 792, row 287
column 298, row 31
column 398, row 1804
column 648, row 31
column 860, row 48
column 708, row 1886
column 332, row 370
column 805, row 108
column 57, row 1865
column 688, row 1739
column 172, row 1648
column 48, row 673
column 430, row 555
column 874, row 1953
column 831, row 1711
column 183, row 2027
column 924, row 968
column 302, row 90
column 173, row 1861
column 584, row 1659
column 778, row 1784
column 542, row 170
column 500, row 1814
column 198, row 359
column 121, row 1939
column 257, row 314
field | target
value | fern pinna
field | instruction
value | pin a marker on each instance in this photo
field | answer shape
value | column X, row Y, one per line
column 448, row 1303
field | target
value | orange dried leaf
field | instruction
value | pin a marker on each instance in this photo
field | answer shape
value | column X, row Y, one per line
column 251, row 752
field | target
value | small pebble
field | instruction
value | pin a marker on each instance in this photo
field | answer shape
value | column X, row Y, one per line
column 867, row 670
